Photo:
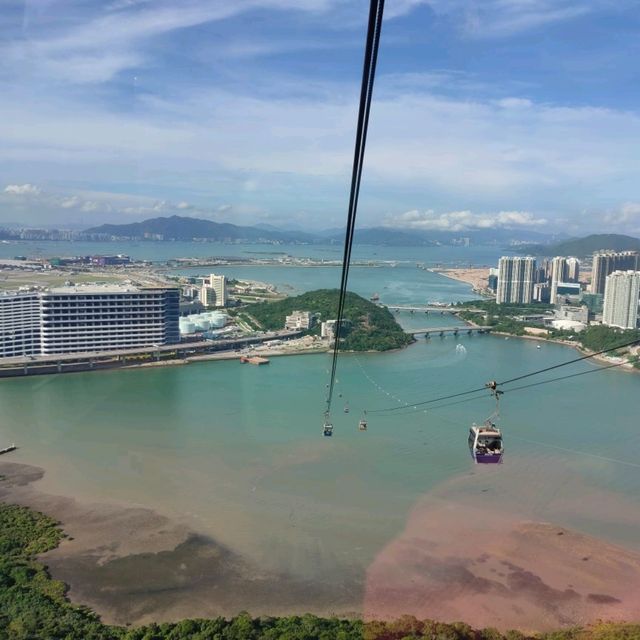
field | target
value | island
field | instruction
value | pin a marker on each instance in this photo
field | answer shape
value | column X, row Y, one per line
column 367, row 326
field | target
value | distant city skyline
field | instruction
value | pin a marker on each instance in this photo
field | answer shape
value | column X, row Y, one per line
column 503, row 114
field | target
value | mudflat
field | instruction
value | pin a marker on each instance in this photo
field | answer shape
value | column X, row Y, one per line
column 461, row 556
column 487, row 568
column 133, row 565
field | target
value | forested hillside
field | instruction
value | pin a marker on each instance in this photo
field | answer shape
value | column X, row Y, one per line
column 372, row 328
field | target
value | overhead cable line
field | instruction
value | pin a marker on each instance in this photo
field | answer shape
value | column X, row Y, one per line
column 376, row 10
column 494, row 385
column 564, row 364
column 420, row 404
column 408, row 408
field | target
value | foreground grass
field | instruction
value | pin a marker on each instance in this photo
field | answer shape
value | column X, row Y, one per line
column 34, row 607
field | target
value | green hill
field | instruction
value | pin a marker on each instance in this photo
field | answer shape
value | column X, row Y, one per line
column 372, row 328
column 586, row 246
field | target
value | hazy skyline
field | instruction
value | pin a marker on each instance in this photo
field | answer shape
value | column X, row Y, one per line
column 517, row 113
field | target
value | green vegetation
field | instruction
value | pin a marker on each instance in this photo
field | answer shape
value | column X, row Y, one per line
column 599, row 337
column 34, row 607
column 500, row 318
column 371, row 328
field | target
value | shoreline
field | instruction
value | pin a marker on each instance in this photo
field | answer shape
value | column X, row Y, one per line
column 134, row 565
column 475, row 277
column 472, row 281
column 601, row 358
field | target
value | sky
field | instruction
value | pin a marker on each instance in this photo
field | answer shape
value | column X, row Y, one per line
column 493, row 113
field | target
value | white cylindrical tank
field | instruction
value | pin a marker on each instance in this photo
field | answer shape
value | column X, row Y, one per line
column 218, row 319
column 186, row 327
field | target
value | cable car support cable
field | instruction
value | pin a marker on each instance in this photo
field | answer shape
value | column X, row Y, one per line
column 493, row 384
column 368, row 74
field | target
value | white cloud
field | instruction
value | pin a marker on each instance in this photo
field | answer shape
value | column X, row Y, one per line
column 463, row 220
column 56, row 207
column 71, row 202
column 499, row 18
column 514, row 103
column 87, row 48
column 22, row 189
column 624, row 219
column 484, row 154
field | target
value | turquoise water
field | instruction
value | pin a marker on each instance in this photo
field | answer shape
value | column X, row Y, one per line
column 403, row 285
column 236, row 451
column 162, row 251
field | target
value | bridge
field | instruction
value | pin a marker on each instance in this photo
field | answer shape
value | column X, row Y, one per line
column 422, row 309
column 442, row 331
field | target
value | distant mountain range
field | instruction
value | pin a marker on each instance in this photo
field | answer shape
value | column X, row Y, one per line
column 582, row 247
column 182, row 228
column 185, row 228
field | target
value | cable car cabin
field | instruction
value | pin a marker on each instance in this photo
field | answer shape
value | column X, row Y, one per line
column 362, row 425
column 485, row 444
column 327, row 430
column 346, row 408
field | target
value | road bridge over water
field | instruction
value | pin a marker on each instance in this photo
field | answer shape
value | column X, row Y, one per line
column 442, row 331
column 422, row 309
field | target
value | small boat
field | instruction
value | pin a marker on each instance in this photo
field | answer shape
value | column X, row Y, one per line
column 11, row 447
column 538, row 346
column 485, row 443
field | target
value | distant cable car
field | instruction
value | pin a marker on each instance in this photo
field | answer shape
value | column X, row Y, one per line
column 362, row 425
column 327, row 427
column 346, row 408
column 485, row 443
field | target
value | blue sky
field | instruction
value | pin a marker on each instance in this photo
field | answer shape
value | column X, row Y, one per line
column 516, row 113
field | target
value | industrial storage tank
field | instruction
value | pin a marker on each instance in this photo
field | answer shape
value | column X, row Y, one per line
column 217, row 319
column 186, row 326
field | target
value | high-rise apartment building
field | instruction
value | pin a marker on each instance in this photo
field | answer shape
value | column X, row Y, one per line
column 621, row 295
column 606, row 262
column 515, row 279
column 88, row 318
column 214, row 291
column 219, row 285
column 558, row 271
column 541, row 292
column 573, row 270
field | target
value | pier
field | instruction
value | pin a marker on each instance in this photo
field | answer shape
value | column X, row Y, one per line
column 258, row 360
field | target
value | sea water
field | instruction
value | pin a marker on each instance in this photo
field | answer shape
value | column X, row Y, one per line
column 236, row 452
